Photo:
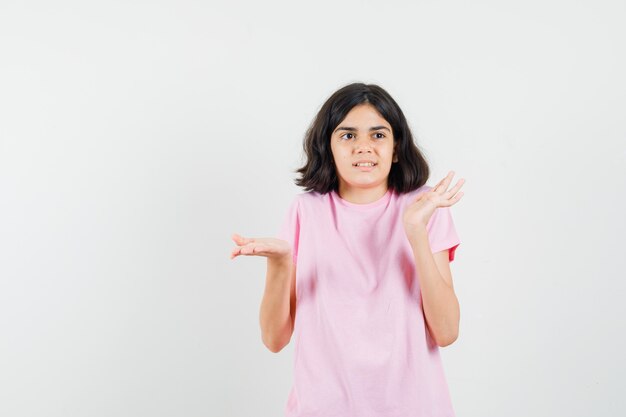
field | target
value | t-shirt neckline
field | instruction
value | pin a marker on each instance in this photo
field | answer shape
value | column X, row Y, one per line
column 382, row 200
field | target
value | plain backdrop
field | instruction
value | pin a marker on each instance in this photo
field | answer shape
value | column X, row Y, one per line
column 136, row 137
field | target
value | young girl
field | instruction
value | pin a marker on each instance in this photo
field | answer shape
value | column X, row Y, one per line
column 359, row 272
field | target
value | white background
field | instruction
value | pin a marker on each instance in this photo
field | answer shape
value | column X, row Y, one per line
column 136, row 137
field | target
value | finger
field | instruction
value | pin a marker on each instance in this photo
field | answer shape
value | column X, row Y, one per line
column 241, row 240
column 454, row 190
column 443, row 184
column 456, row 198
column 260, row 249
column 237, row 237
column 451, row 201
column 446, row 181
column 252, row 249
column 246, row 250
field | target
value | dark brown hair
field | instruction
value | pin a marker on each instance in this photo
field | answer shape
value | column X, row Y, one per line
column 319, row 172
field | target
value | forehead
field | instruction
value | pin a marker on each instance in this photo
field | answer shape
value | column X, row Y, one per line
column 364, row 114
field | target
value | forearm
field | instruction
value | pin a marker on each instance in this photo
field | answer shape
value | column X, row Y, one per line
column 275, row 317
column 441, row 306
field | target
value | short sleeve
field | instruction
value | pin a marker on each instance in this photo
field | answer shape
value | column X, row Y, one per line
column 442, row 233
column 290, row 227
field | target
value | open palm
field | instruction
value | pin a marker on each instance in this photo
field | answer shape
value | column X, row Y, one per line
column 261, row 246
column 418, row 213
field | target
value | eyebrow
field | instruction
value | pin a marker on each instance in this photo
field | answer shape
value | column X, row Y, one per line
column 354, row 129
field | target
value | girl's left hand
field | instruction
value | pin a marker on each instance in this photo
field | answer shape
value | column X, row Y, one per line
column 418, row 213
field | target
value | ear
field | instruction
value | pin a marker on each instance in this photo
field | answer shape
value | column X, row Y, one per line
column 395, row 155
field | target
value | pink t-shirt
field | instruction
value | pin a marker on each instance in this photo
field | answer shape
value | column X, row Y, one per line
column 362, row 348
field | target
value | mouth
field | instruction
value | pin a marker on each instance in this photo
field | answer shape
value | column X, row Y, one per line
column 365, row 167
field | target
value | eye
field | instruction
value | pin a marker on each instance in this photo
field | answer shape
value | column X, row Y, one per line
column 381, row 134
column 341, row 137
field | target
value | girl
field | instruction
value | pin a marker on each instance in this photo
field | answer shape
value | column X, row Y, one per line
column 359, row 271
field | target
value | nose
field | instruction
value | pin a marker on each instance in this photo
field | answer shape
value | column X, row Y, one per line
column 363, row 147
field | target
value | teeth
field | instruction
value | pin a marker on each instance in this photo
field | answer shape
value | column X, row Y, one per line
column 365, row 164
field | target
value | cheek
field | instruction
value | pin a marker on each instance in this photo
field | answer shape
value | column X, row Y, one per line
column 341, row 156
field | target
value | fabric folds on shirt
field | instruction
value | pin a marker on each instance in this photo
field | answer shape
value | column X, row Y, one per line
column 362, row 347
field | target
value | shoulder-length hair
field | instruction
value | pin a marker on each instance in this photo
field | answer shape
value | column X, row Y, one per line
column 319, row 172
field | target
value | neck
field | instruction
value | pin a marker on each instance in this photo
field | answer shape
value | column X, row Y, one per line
column 358, row 195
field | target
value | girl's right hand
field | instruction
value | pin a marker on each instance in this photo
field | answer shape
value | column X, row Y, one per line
column 261, row 246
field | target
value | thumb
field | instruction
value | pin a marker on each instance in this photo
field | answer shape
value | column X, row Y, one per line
column 240, row 239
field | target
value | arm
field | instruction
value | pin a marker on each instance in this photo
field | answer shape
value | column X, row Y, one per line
column 441, row 307
column 278, row 305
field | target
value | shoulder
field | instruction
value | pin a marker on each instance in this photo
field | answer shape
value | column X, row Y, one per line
column 301, row 202
column 303, row 196
column 309, row 198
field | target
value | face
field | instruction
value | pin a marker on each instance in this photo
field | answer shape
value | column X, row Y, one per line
column 363, row 135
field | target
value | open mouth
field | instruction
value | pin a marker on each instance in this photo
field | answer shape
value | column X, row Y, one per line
column 365, row 164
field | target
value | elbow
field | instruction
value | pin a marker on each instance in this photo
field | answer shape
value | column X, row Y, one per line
column 274, row 346
column 447, row 340
column 275, row 340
